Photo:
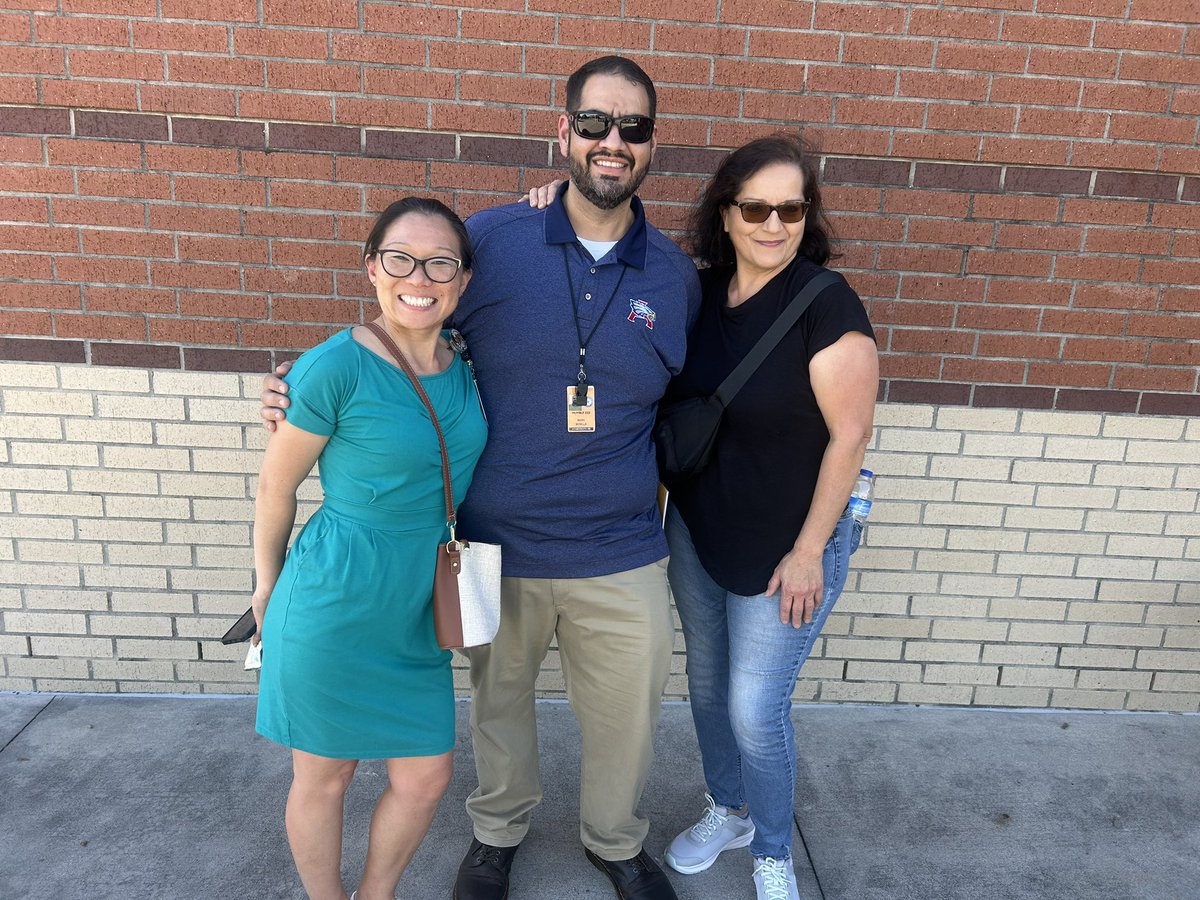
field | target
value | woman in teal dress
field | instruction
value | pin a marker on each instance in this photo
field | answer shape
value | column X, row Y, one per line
column 351, row 668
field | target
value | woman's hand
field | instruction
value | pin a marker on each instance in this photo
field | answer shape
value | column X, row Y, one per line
column 541, row 197
column 258, row 603
column 273, row 396
column 800, row 580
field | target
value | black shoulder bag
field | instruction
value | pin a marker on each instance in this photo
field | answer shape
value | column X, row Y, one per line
column 685, row 432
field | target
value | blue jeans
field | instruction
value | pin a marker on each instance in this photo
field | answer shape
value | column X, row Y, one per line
column 742, row 666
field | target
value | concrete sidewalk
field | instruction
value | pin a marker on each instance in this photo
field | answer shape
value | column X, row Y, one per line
column 149, row 797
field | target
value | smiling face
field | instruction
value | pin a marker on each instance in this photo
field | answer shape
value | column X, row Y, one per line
column 767, row 247
column 609, row 171
column 415, row 302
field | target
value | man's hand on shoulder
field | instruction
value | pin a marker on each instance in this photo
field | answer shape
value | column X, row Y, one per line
column 274, row 397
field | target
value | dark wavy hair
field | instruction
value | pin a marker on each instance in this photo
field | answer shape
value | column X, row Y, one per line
column 609, row 65
column 706, row 230
column 425, row 206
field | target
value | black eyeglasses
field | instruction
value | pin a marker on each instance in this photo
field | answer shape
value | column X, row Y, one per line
column 756, row 212
column 437, row 268
column 595, row 126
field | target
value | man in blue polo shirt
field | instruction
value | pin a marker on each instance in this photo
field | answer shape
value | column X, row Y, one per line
column 576, row 318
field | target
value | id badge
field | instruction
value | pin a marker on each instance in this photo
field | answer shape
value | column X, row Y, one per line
column 581, row 418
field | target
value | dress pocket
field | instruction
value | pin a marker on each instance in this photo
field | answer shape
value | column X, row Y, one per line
column 313, row 532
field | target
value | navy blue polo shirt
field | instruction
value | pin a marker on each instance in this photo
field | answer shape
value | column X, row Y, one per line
column 570, row 505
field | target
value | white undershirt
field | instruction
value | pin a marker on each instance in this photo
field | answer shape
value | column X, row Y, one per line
column 597, row 248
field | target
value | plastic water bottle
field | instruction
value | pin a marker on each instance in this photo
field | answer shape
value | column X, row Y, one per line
column 860, row 497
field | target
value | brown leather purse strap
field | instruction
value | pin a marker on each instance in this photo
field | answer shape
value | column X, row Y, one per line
column 402, row 361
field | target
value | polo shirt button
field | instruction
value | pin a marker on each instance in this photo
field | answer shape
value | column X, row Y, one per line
column 593, row 271
column 587, row 296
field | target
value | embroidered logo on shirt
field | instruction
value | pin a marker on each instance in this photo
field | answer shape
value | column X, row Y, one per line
column 640, row 309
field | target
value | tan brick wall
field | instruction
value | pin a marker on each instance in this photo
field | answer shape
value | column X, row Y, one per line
column 1014, row 558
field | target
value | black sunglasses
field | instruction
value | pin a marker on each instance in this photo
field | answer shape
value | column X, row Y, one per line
column 595, row 126
column 755, row 211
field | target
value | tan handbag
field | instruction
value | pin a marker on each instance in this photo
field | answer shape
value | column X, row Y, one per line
column 466, row 580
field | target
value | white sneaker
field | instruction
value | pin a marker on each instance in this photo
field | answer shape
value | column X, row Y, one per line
column 697, row 848
column 775, row 879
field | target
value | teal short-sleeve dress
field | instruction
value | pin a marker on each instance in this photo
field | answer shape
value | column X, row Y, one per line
column 351, row 668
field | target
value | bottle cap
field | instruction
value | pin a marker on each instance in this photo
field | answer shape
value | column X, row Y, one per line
column 866, row 472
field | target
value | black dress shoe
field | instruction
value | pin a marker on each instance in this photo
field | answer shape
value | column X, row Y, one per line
column 639, row 878
column 483, row 873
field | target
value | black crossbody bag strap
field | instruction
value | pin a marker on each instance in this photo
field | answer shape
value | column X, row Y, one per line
column 781, row 326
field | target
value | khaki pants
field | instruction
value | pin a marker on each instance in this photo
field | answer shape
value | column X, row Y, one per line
column 615, row 635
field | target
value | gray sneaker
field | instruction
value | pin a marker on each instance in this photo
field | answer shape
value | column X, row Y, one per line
column 775, row 879
column 697, row 848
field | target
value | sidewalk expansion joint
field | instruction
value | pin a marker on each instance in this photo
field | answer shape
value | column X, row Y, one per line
column 8, row 743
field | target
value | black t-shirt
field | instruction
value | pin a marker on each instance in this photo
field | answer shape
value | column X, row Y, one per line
column 746, row 509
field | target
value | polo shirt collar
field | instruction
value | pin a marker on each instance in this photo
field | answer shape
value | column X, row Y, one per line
column 631, row 249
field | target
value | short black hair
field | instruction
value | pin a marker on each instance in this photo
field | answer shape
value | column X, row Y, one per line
column 425, row 206
column 609, row 65
column 710, row 242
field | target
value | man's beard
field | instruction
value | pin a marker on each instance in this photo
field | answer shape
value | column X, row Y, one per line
column 602, row 192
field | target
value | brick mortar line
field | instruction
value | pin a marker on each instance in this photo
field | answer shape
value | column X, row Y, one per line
column 971, row 395
column 169, row 121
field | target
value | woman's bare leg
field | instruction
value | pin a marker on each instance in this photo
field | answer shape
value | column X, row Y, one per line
column 315, row 806
column 402, row 816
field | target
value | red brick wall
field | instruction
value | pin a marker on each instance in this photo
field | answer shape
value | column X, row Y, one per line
column 1016, row 182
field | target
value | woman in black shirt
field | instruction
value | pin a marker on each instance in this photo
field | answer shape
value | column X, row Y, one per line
column 760, row 539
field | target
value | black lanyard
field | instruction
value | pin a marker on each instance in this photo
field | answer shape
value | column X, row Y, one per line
column 581, row 382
